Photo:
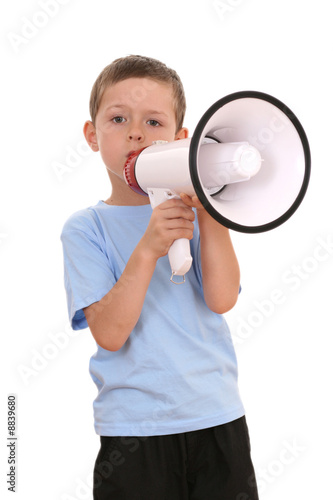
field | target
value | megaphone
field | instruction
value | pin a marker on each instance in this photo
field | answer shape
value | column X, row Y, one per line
column 248, row 162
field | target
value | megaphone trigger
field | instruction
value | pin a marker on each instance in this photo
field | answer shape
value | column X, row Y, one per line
column 160, row 195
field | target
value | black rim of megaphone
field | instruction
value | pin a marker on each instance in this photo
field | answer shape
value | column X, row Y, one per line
column 194, row 170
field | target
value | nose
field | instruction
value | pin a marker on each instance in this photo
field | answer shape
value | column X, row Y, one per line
column 135, row 133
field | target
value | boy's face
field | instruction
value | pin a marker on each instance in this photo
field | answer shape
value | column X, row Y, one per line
column 133, row 113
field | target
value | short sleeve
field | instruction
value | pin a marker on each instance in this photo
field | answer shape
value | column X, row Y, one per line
column 88, row 274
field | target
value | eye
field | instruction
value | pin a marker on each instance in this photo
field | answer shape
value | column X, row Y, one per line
column 118, row 119
column 153, row 123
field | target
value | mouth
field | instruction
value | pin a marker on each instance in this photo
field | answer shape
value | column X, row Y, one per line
column 135, row 152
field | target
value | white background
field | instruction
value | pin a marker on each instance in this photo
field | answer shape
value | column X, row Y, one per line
column 49, row 62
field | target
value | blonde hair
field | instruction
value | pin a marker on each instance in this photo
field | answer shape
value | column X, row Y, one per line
column 135, row 66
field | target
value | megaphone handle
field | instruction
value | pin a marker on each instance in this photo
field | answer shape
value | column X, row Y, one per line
column 180, row 258
column 179, row 253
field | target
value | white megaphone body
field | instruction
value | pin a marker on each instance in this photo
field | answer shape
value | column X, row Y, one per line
column 248, row 162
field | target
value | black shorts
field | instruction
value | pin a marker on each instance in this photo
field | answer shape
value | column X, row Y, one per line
column 209, row 464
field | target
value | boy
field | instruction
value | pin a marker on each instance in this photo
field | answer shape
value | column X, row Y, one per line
column 168, row 411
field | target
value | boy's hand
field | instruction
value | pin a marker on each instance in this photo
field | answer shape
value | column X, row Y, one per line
column 170, row 221
column 193, row 201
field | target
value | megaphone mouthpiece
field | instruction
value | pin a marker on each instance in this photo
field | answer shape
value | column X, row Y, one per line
column 129, row 173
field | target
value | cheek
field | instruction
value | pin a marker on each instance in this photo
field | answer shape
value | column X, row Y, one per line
column 166, row 133
column 107, row 139
column 111, row 151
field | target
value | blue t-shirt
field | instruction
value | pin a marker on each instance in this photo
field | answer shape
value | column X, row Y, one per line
column 177, row 371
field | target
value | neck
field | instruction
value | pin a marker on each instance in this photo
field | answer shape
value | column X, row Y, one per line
column 123, row 195
column 121, row 201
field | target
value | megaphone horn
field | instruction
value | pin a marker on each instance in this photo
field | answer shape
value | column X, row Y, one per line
column 248, row 162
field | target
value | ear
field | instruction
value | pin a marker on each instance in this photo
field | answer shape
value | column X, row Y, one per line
column 89, row 131
column 181, row 134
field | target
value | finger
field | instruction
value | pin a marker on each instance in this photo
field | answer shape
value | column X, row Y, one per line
column 179, row 224
column 177, row 233
column 173, row 202
column 186, row 199
column 181, row 212
column 193, row 201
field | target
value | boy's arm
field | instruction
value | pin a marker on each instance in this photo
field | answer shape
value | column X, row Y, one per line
column 112, row 319
column 220, row 269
